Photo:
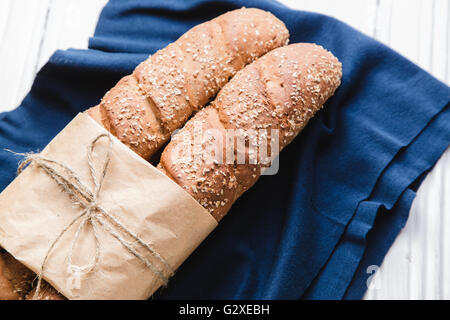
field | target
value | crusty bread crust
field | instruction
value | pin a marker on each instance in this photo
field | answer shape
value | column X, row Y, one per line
column 282, row 90
column 144, row 108
column 15, row 278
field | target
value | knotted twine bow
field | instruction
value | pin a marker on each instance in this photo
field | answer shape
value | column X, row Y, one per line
column 81, row 195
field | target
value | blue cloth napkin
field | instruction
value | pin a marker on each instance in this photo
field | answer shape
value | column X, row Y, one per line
column 344, row 187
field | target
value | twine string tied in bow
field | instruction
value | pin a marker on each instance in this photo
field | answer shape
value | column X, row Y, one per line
column 92, row 214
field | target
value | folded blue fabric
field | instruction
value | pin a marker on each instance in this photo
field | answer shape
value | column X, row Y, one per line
column 344, row 187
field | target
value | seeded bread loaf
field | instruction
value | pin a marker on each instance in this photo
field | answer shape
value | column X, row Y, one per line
column 16, row 281
column 15, row 278
column 281, row 90
column 144, row 108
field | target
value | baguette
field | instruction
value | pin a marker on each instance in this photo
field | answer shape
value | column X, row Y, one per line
column 146, row 107
column 282, row 90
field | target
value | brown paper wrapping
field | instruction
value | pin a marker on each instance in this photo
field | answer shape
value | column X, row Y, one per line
column 34, row 210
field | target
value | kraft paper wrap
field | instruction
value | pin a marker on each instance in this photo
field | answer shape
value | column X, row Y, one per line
column 34, row 210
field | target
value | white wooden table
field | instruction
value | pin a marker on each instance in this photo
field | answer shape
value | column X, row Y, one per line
column 418, row 264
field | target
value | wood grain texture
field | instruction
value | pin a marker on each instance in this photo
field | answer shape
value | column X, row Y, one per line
column 418, row 264
column 30, row 31
column 20, row 34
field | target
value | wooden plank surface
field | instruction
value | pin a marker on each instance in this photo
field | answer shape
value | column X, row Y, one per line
column 30, row 31
column 418, row 264
column 22, row 29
